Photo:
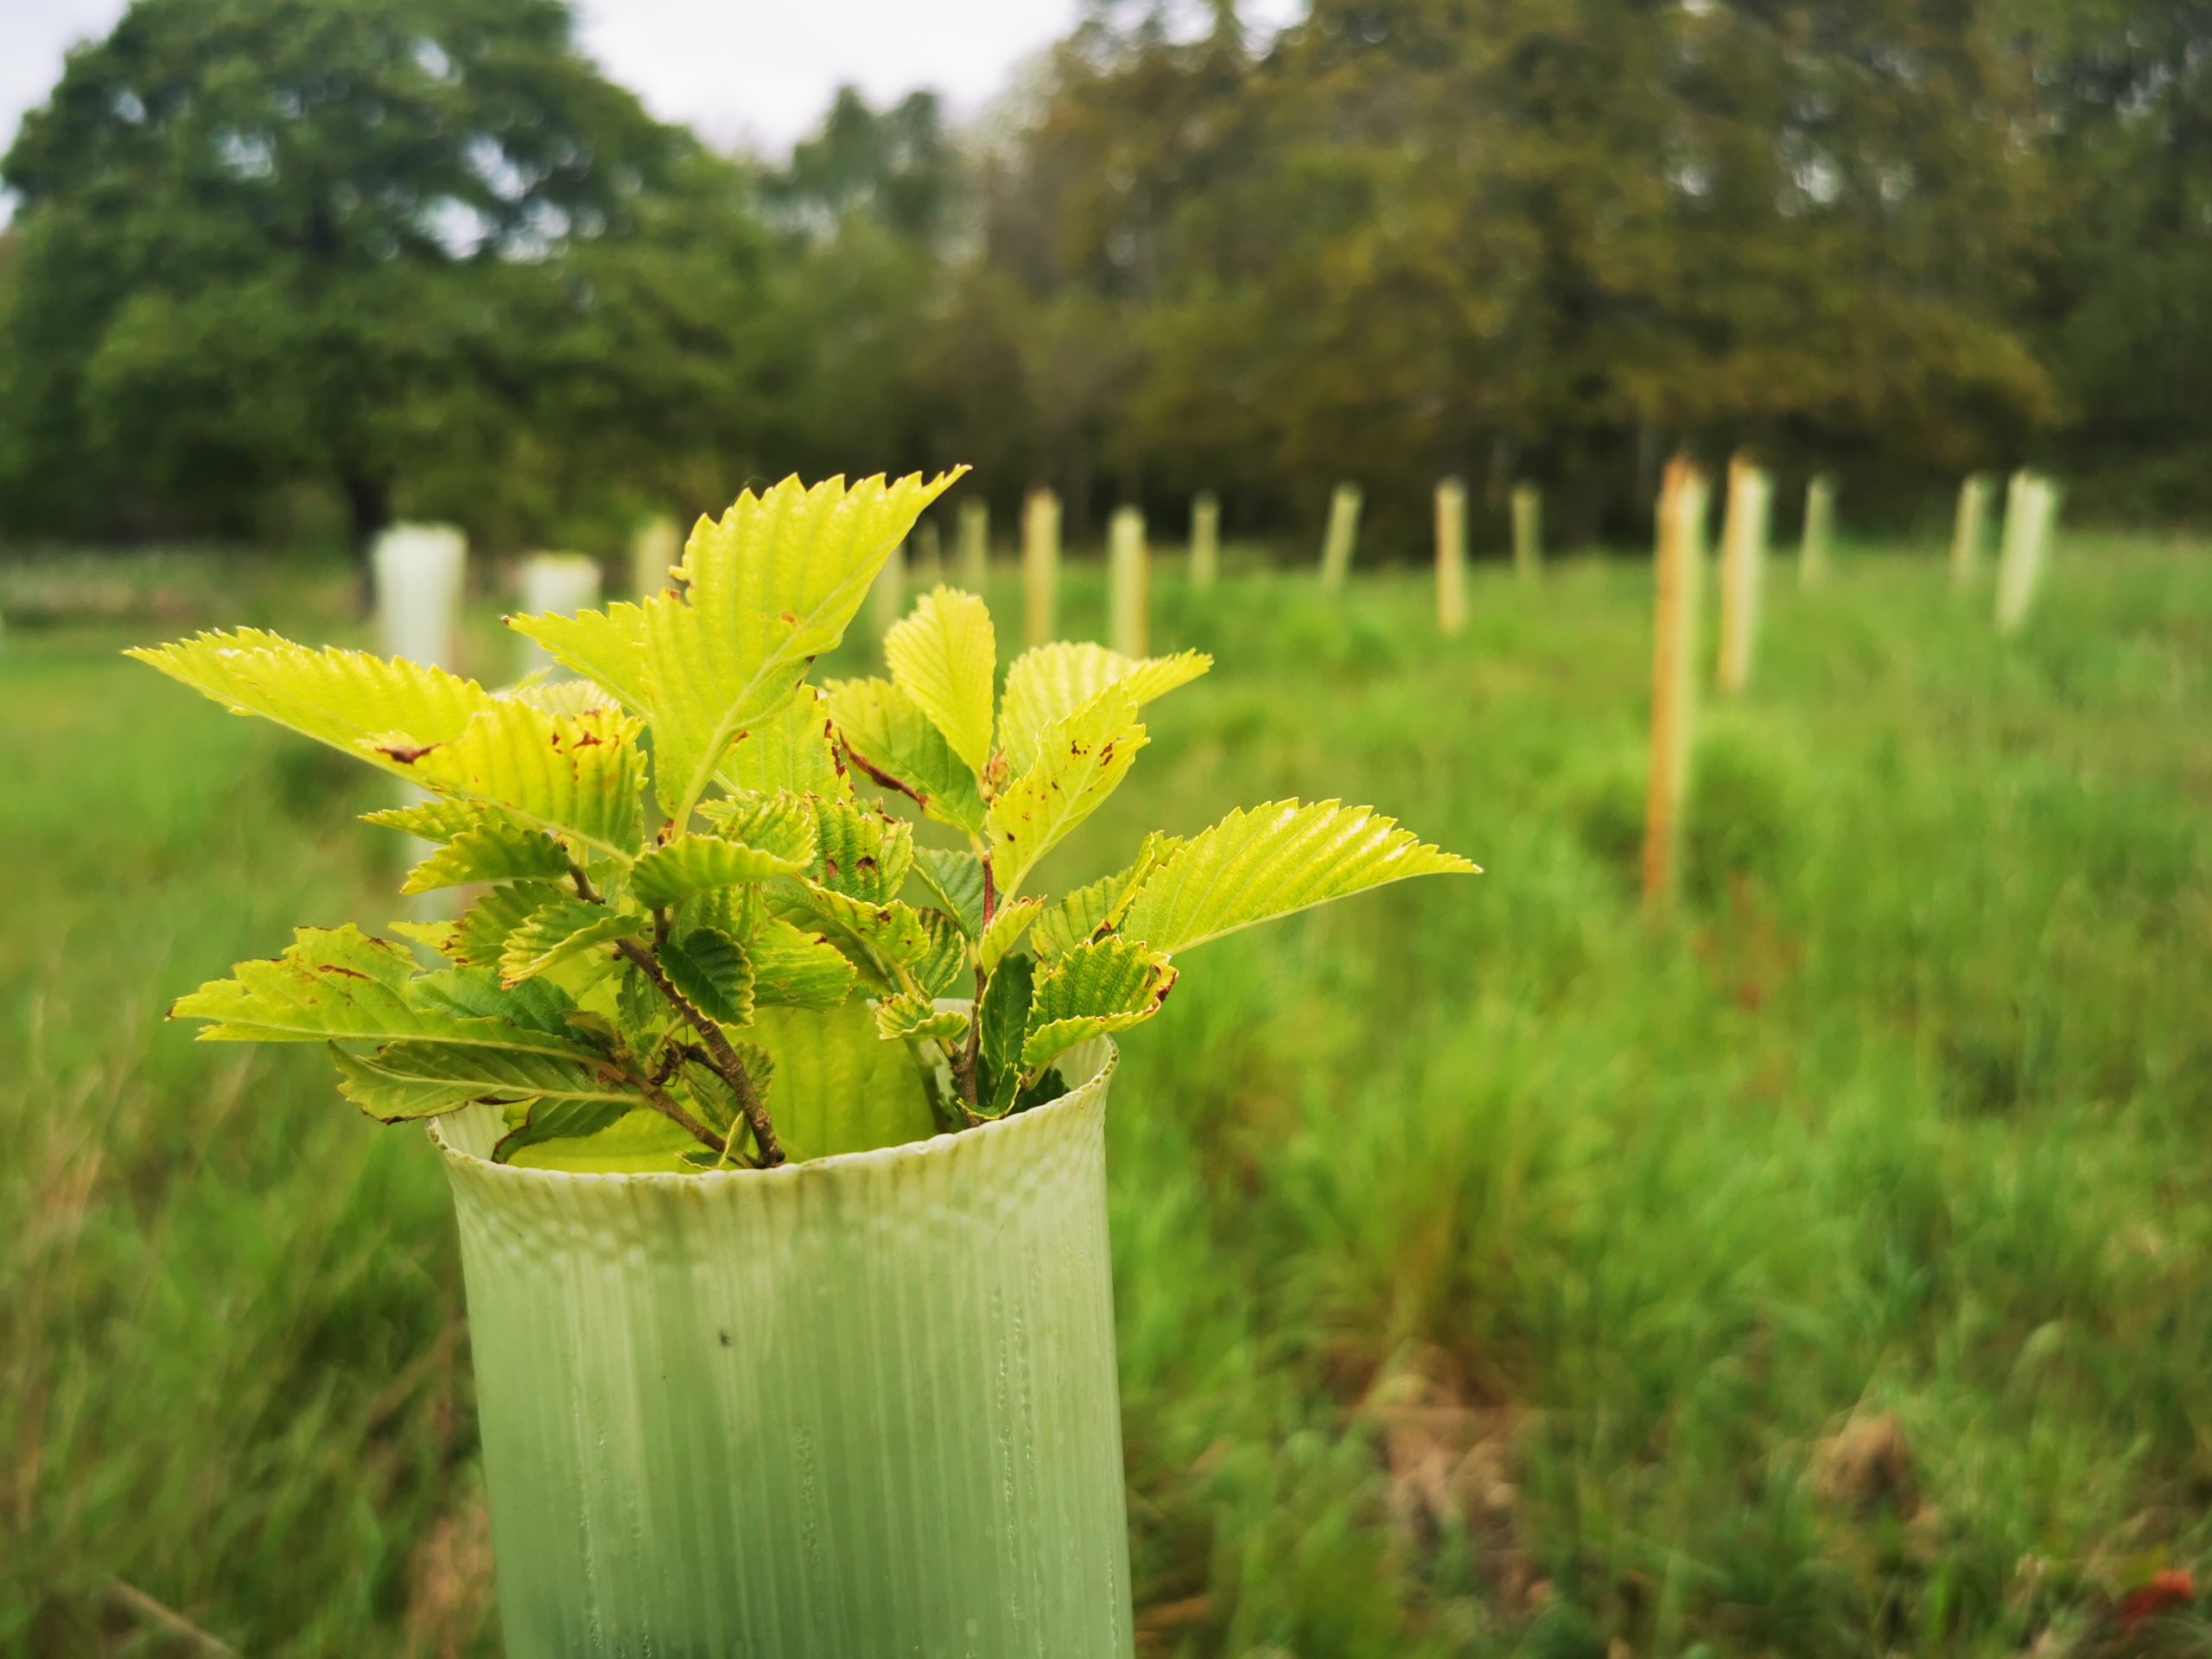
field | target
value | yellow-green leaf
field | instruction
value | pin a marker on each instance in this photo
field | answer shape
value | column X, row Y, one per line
column 956, row 878
column 793, row 749
column 891, row 739
column 945, row 656
column 341, row 985
column 777, row 841
column 570, row 775
column 608, row 646
column 1006, row 930
column 421, row 1079
column 1091, row 991
column 497, row 849
column 1270, row 861
column 767, row 588
column 562, row 928
column 798, row 969
column 1097, row 908
column 860, row 853
column 911, row 1015
column 337, row 697
column 1048, row 683
column 1080, row 760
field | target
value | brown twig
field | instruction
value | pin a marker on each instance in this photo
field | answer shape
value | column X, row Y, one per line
column 966, row 1064
column 727, row 1062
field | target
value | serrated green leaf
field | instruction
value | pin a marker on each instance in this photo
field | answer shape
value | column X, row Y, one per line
column 747, row 852
column 337, row 697
column 793, row 749
column 476, row 994
column 642, row 1011
column 482, row 935
column 956, row 878
column 859, row 853
column 1049, row 684
column 1270, row 861
column 639, row 1142
column 1008, row 925
column 1093, row 990
column 607, row 646
column 564, row 697
column 1080, row 761
column 560, row 929
column 712, row 970
column 578, row 776
column 1005, row 1015
column 442, row 818
column 911, row 1015
column 945, row 656
column 889, row 738
column 1097, row 908
column 442, row 938
column 891, row 931
column 421, row 1079
column 495, row 851
column 942, row 965
column 839, row 1088
column 796, row 969
column 341, row 985
column 767, row 588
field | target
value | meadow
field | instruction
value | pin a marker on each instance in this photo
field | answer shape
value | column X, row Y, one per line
column 1827, row 1271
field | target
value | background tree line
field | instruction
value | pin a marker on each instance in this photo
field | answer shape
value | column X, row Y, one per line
column 280, row 266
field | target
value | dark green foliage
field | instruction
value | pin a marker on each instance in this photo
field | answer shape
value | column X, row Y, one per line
column 260, row 268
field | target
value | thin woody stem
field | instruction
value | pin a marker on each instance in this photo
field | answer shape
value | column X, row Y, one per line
column 966, row 1064
column 726, row 1059
column 665, row 1104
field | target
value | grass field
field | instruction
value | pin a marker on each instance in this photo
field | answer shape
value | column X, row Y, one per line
column 1829, row 1273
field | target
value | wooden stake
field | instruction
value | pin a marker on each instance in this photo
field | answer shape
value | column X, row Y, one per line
column 1040, row 567
column 975, row 544
column 1813, row 548
column 1969, row 531
column 2030, row 504
column 654, row 549
column 1674, row 691
column 1450, row 557
column 1528, row 531
column 1129, row 584
column 1343, row 538
column 1205, row 540
column 1743, row 569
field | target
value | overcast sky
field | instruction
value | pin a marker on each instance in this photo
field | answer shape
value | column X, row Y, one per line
column 758, row 71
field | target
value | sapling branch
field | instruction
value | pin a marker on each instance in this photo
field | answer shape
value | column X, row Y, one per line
column 965, row 1060
column 665, row 1104
column 727, row 1064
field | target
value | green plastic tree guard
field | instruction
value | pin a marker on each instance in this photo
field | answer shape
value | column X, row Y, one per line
column 850, row 1408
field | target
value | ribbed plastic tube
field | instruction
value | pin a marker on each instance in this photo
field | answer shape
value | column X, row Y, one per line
column 853, row 1408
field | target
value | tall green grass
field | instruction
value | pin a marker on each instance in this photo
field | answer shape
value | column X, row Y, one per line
column 1494, row 1275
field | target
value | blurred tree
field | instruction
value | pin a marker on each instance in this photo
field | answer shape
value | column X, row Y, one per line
column 2125, row 307
column 265, row 239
